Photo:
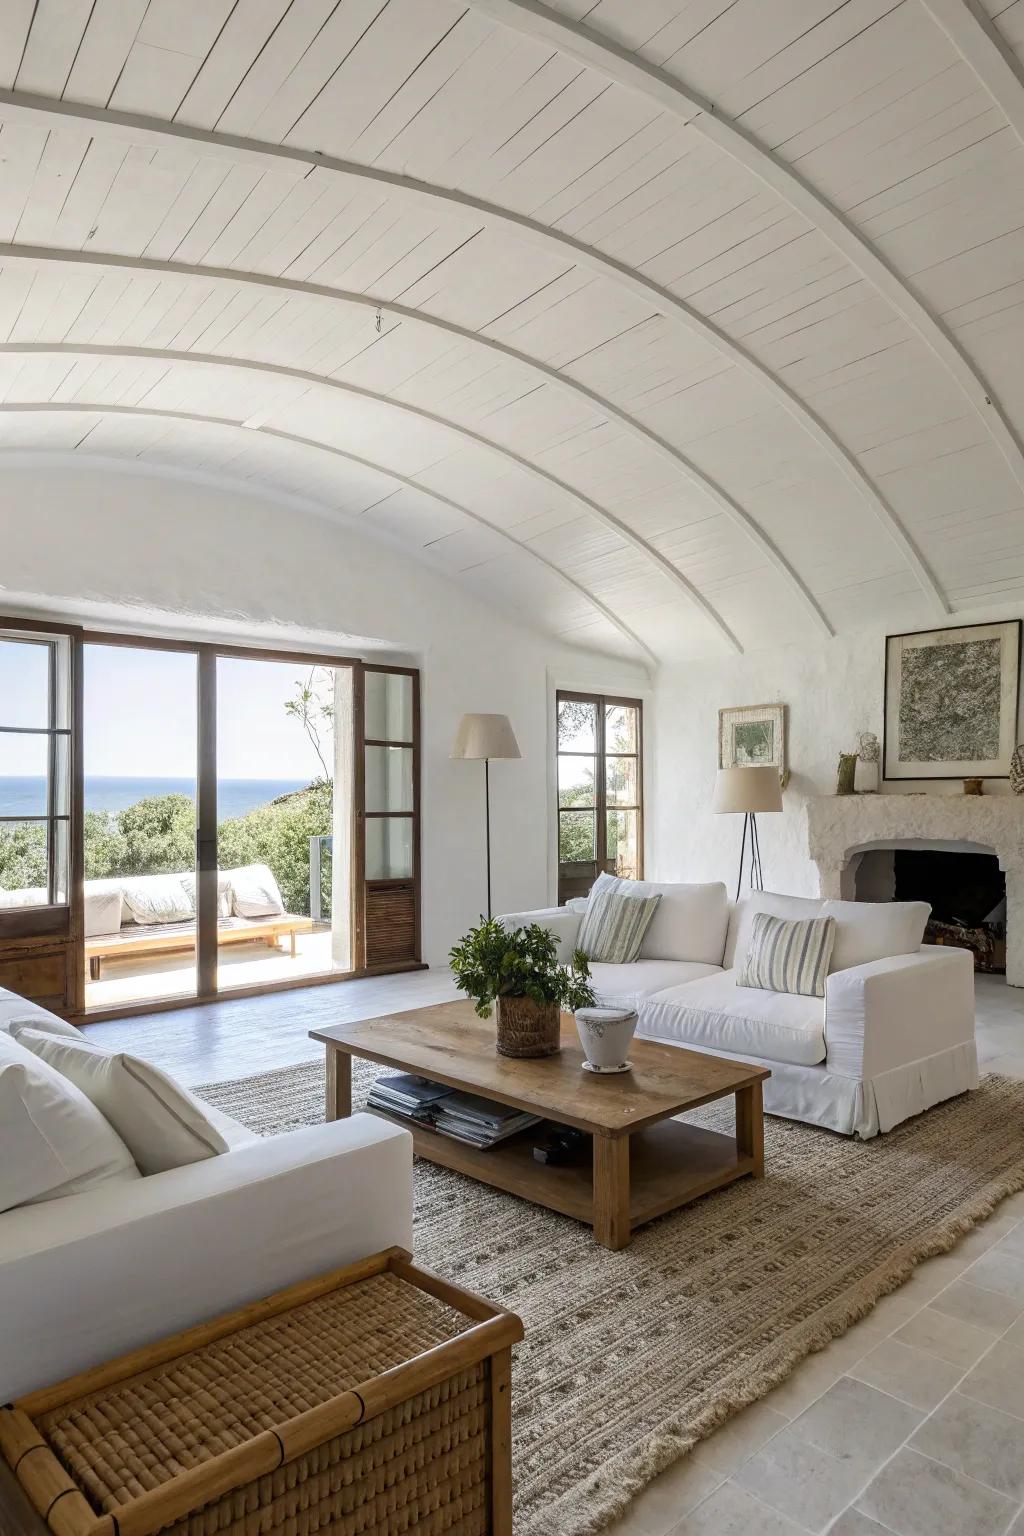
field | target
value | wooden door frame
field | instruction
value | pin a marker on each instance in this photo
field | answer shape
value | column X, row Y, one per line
column 602, row 701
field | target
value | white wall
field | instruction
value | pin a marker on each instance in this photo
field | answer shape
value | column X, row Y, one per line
column 834, row 691
column 165, row 555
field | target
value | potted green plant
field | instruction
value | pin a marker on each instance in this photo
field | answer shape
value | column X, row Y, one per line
column 518, row 971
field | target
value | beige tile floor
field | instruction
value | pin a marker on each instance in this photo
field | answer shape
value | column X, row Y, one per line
column 911, row 1424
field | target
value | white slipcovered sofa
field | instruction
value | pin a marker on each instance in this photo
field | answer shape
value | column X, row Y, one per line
column 85, row 1277
column 893, row 1035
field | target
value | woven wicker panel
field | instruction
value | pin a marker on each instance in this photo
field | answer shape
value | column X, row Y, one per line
column 129, row 1438
column 420, row 1467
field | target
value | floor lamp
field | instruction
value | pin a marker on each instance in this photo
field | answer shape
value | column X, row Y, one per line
column 748, row 790
column 483, row 737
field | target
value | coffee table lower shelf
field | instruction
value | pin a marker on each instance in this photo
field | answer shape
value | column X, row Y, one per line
column 658, row 1168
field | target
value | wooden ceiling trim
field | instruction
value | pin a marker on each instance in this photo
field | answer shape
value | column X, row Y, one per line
column 592, row 508
column 618, row 64
column 978, row 41
column 137, row 130
column 70, row 407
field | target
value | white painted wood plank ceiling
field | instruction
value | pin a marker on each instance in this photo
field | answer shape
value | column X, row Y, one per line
column 683, row 326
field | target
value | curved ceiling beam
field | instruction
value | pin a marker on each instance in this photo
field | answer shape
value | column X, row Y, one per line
column 660, row 446
column 316, row 380
column 618, row 64
column 977, row 39
column 68, row 407
column 148, row 131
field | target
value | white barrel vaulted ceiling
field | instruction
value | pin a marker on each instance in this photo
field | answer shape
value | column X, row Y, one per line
column 681, row 326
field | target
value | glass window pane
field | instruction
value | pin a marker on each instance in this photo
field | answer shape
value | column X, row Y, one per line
column 24, row 772
column 623, row 845
column 388, row 778
column 389, row 848
column 61, row 861
column 620, row 728
column 577, row 726
column 577, row 837
column 387, row 710
column 24, row 683
column 621, row 781
column 577, row 777
column 23, row 850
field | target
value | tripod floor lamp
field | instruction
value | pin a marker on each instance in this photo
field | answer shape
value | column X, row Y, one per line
column 483, row 737
column 747, row 791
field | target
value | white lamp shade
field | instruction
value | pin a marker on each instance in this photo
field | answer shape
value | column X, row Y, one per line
column 482, row 736
column 747, row 789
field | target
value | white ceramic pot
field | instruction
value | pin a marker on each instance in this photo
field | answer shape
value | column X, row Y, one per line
column 606, row 1035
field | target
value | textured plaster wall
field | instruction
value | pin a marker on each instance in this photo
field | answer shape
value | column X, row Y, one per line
column 165, row 555
column 834, row 691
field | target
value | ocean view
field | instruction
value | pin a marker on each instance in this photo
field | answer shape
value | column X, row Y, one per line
column 235, row 797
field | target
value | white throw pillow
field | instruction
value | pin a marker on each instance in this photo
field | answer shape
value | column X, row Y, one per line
column 875, row 930
column 255, row 892
column 690, row 923
column 163, row 1125
column 157, row 899
column 223, row 893
column 794, row 908
column 53, row 1141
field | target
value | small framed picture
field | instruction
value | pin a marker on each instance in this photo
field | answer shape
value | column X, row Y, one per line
column 951, row 701
column 752, row 736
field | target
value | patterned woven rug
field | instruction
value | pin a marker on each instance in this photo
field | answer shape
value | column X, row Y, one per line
column 631, row 1358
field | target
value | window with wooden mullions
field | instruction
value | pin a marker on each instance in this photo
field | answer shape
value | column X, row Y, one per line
column 600, row 790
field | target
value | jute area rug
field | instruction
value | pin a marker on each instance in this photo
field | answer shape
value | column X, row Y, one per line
column 631, row 1358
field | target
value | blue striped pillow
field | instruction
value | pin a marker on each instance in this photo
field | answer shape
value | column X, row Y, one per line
column 788, row 956
column 614, row 925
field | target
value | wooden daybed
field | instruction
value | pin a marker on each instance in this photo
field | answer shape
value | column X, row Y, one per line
column 165, row 938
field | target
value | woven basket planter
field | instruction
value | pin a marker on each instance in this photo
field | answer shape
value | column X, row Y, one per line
column 526, row 1028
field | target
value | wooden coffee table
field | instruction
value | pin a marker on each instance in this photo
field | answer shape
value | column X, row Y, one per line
column 644, row 1162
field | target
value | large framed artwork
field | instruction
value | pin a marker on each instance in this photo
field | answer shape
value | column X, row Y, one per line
column 951, row 701
column 752, row 736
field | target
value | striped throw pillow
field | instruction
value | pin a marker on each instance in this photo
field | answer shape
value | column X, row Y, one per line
column 614, row 925
column 788, row 956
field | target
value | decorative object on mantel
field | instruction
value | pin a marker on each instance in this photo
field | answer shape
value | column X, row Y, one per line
column 951, row 698
column 973, row 786
column 483, row 737
column 518, row 972
column 1017, row 770
column 605, row 1035
column 846, row 773
column 748, row 790
column 868, row 754
column 752, row 736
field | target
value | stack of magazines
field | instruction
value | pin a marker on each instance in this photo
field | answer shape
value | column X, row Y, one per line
column 464, row 1116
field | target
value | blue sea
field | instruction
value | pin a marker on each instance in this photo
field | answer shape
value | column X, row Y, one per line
column 27, row 796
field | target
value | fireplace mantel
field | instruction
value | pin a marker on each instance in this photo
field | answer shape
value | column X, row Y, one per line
column 841, row 826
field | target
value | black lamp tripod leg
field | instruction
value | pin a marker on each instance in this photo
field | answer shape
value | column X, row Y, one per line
column 743, row 854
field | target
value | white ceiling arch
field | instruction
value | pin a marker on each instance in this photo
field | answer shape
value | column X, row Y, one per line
column 653, row 556
column 618, row 64
column 136, row 129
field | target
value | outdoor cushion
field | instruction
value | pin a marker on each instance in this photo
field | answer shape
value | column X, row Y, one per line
column 717, row 1014
column 157, row 898
column 163, row 1125
column 875, row 930
column 614, row 984
column 690, row 923
column 53, row 1141
column 254, row 892
column 103, row 909
column 748, row 906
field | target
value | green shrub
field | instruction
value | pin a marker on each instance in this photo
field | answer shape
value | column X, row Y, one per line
column 278, row 834
column 22, row 856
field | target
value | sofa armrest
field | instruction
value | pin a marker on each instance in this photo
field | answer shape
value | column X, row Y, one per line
column 891, row 1012
column 559, row 921
column 88, row 1277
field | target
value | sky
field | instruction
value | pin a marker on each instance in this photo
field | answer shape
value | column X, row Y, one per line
column 140, row 715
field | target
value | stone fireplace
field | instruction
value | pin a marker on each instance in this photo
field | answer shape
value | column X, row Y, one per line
column 840, row 828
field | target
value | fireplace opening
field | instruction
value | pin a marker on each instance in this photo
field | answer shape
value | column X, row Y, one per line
column 966, row 892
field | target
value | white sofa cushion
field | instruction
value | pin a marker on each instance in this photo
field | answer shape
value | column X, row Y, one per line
column 53, row 1141
column 746, row 909
column 255, row 892
column 875, row 930
column 17, row 1012
column 715, row 1013
column 626, row 983
column 163, row 1125
column 103, row 908
column 690, row 924
column 157, row 899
